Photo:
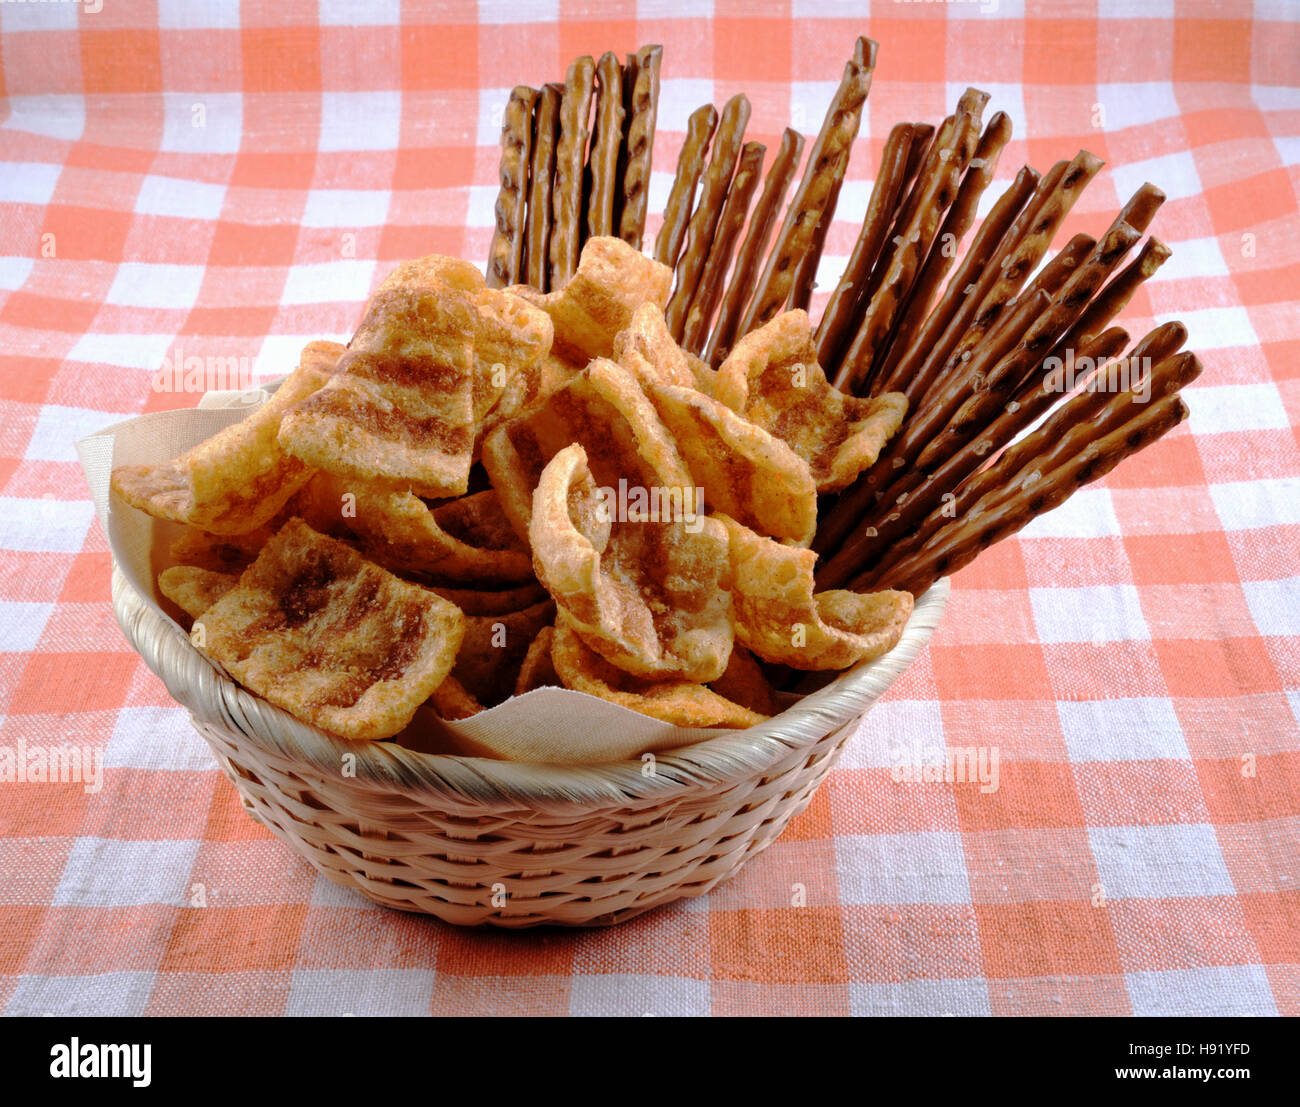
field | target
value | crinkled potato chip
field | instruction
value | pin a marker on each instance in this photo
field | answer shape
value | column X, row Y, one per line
column 649, row 595
column 744, row 471
column 606, row 412
column 194, row 590
column 646, row 350
column 612, row 280
column 332, row 638
column 537, row 669
column 238, row 479
column 778, row 617
column 745, row 683
column 674, row 701
column 493, row 649
column 220, row 553
column 773, row 379
column 451, row 700
column 398, row 530
column 401, row 407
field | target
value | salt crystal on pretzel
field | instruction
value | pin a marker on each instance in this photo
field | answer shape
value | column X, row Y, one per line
column 612, row 280
column 330, row 637
column 467, row 540
column 235, row 481
column 194, row 590
column 778, row 616
column 650, row 595
column 772, row 378
column 674, row 701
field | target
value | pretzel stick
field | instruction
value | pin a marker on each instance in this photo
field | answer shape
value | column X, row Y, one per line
column 541, row 184
column 859, row 503
column 1112, row 299
column 761, row 223
column 934, row 503
column 838, row 317
column 942, row 328
column 570, row 154
column 1057, row 271
column 641, row 112
column 727, row 143
column 856, row 371
column 709, row 292
column 681, row 198
column 957, row 545
column 826, row 164
column 943, row 252
column 1141, row 207
column 512, row 199
column 606, row 142
column 1154, row 348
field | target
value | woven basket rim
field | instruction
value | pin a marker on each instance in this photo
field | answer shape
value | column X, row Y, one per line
column 505, row 785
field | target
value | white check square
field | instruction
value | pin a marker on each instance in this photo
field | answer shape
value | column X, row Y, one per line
column 629, row 995
column 1237, row 407
column 21, row 625
column 1218, row 991
column 1139, row 729
column 55, row 116
column 150, row 285
column 1274, row 605
column 917, row 867
column 110, row 872
column 15, row 271
column 328, row 282
column 179, row 198
column 1159, row 862
column 45, row 526
column 157, row 739
column 948, row 996
column 344, row 207
column 360, row 120
column 1134, row 105
column 58, row 429
column 361, row 992
column 1089, row 513
column 94, row 995
column 1249, row 504
column 1096, row 614
column 28, row 182
column 202, row 122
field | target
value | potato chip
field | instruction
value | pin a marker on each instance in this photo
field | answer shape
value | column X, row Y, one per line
column 537, row 669
column 219, row 553
column 473, row 601
column 773, row 379
column 194, row 590
column 238, row 479
column 613, row 279
column 341, row 643
column 650, row 595
column 451, row 700
column 778, row 617
column 744, row 471
column 493, row 649
column 745, row 683
column 398, row 530
column 401, row 407
column 605, row 411
column 646, row 349
column 674, row 701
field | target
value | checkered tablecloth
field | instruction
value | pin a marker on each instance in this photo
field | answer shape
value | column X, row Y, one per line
column 230, row 180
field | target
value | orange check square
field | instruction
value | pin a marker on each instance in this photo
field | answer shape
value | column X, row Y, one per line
column 792, row 946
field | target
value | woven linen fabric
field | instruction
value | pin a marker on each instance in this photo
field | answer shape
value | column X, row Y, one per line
column 229, row 180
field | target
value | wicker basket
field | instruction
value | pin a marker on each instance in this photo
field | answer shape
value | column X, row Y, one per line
column 476, row 841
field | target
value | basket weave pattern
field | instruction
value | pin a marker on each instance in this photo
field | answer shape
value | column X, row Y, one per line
column 480, row 842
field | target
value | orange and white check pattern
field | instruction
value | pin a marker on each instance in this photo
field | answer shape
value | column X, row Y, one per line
column 186, row 178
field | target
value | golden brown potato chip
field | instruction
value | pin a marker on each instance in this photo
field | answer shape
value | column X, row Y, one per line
column 778, row 617
column 398, row 530
column 537, row 669
column 650, row 595
column 493, row 650
column 194, row 590
column 473, row 601
column 332, row 638
column 220, row 553
column 605, row 411
column 773, row 379
column 745, row 683
column 322, row 355
column 646, row 350
column 744, row 471
column 401, row 407
column 675, row 701
column 613, row 279
column 238, row 479
column 451, row 700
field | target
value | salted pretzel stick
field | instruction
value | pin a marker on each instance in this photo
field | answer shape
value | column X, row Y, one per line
column 1057, row 271
column 570, row 153
column 826, row 163
column 775, row 186
column 943, row 251
column 512, row 200
column 709, row 292
column 1141, row 207
column 856, row 371
column 1112, row 299
column 541, row 183
column 934, row 503
column 727, row 144
column 957, row 545
column 928, row 350
column 641, row 112
column 838, row 317
column 606, row 142
column 681, row 198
